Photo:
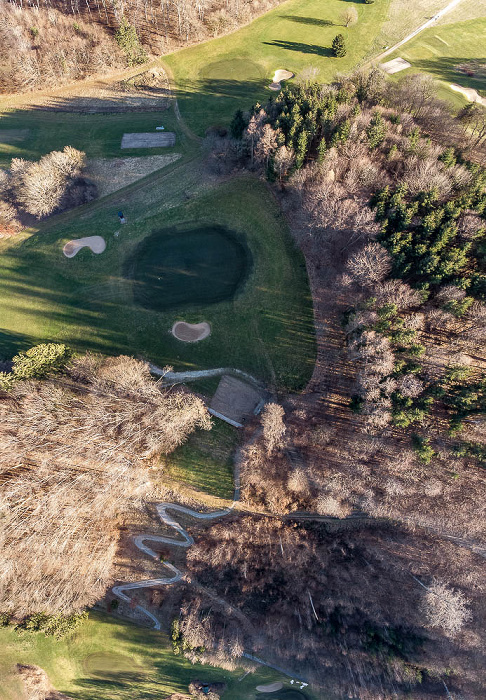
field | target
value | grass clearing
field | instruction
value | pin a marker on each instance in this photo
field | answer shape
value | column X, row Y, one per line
column 98, row 135
column 109, row 659
column 217, row 77
column 267, row 329
column 403, row 18
column 205, row 461
column 438, row 50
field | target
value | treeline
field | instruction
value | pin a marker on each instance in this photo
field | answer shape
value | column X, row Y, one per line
column 76, row 437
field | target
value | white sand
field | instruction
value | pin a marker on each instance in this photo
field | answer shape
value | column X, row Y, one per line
column 395, row 65
column 270, row 687
column 72, row 248
column 469, row 93
column 278, row 77
column 190, row 332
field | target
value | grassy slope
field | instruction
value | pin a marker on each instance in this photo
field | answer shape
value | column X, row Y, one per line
column 215, row 78
column 403, row 18
column 267, row 329
column 204, row 462
column 437, row 50
column 147, row 668
column 98, row 135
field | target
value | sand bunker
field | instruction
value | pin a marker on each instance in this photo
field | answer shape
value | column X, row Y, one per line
column 190, row 332
column 159, row 139
column 270, row 687
column 278, row 77
column 96, row 243
column 469, row 93
column 395, row 65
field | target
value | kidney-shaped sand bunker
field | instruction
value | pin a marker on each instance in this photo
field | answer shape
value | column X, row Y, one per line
column 190, row 265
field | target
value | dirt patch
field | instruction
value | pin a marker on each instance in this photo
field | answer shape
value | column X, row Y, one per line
column 395, row 65
column 111, row 174
column 270, row 687
column 96, row 243
column 469, row 93
column 235, row 401
column 280, row 75
column 37, row 685
column 145, row 92
column 191, row 332
column 164, row 139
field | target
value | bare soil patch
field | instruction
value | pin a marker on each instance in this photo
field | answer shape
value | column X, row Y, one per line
column 395, row 65
column 191, row 332
column 164, row 139
column 469, row 93
column 235, row 400
column 96, row 243
column 111, row 174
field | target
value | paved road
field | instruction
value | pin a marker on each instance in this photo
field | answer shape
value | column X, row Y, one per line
column 426, row 25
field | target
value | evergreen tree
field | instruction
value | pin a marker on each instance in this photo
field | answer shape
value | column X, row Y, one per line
column 238, row 125
column 339, row 46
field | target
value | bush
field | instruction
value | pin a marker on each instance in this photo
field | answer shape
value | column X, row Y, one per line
column 52, row 625
column 339, row 46
column 422, row 446
column 4, row 619
column 41, row 360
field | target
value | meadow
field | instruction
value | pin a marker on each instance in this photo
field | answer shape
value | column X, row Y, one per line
column 109, row 659
column 217, row 77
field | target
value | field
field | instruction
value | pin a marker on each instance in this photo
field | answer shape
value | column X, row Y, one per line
column 215, row 78
column 438, row 50
column 204, row 462
column 108, row 659
column 267, row 329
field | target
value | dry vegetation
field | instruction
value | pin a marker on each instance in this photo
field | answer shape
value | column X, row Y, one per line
column 367, row 614
column 75, row 450
column 37, row 685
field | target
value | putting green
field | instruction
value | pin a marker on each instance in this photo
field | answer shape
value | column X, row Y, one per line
column 188, row 265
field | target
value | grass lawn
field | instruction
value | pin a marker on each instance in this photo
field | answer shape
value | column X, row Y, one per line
column 217, row 77
column 108, row 659
column 205, row 462
column 36, row 132
column 267, row 329
column 438, row 50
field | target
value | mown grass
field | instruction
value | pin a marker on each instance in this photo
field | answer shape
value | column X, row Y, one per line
column 215, row 78
column 205, row 461
column 267, row 329
column 98, row 135
column 109, row 659
column 438, row 50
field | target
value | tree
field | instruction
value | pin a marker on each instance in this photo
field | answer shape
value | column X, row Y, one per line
column 266, row 146
column 376, row 130
column 339, row 46
column 349, row 16
column 369, row 265
column 445, row 608
column 41, row 360
column 238, row 125
column 127, row 39
column 283, row 161
column 273, row 426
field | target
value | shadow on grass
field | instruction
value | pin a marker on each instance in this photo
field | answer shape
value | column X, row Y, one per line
column 444, row 68
column 309, row 20
column 313, row 49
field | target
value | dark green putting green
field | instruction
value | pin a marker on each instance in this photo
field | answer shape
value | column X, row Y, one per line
column 188, row 265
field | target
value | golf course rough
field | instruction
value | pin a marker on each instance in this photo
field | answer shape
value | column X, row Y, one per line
column 188, row 265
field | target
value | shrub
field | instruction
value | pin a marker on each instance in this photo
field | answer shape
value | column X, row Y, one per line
column 422, row 446
column 41, row 360
column 4, row 619
column 339, row 46
column 52, row 625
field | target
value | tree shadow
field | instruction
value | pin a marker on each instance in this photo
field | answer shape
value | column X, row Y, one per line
column 444, row 68
column 301, row 48
column 308, row 20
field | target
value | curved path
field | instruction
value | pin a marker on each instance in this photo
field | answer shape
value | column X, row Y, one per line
column 193, row 375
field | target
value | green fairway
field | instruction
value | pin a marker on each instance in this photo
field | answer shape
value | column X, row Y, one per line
column 189, row 265
column 107, row 659
column 439, row 50
column 267, row 329
column 214, row 79
column 205, row 461
column 35, row 132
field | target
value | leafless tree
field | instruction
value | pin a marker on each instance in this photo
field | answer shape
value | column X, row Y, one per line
column 445, row 608
column 349, row 16
column 369, row 265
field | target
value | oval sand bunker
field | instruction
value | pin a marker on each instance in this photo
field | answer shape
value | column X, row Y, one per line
column 278, row 77
column 191, row 332
column 96, row 243
column 270, row 687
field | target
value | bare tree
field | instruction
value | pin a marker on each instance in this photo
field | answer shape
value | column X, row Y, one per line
column 369, row 265
column 349, row 16
column 445, row 608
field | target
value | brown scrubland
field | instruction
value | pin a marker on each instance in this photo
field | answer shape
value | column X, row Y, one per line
column 75, row 451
